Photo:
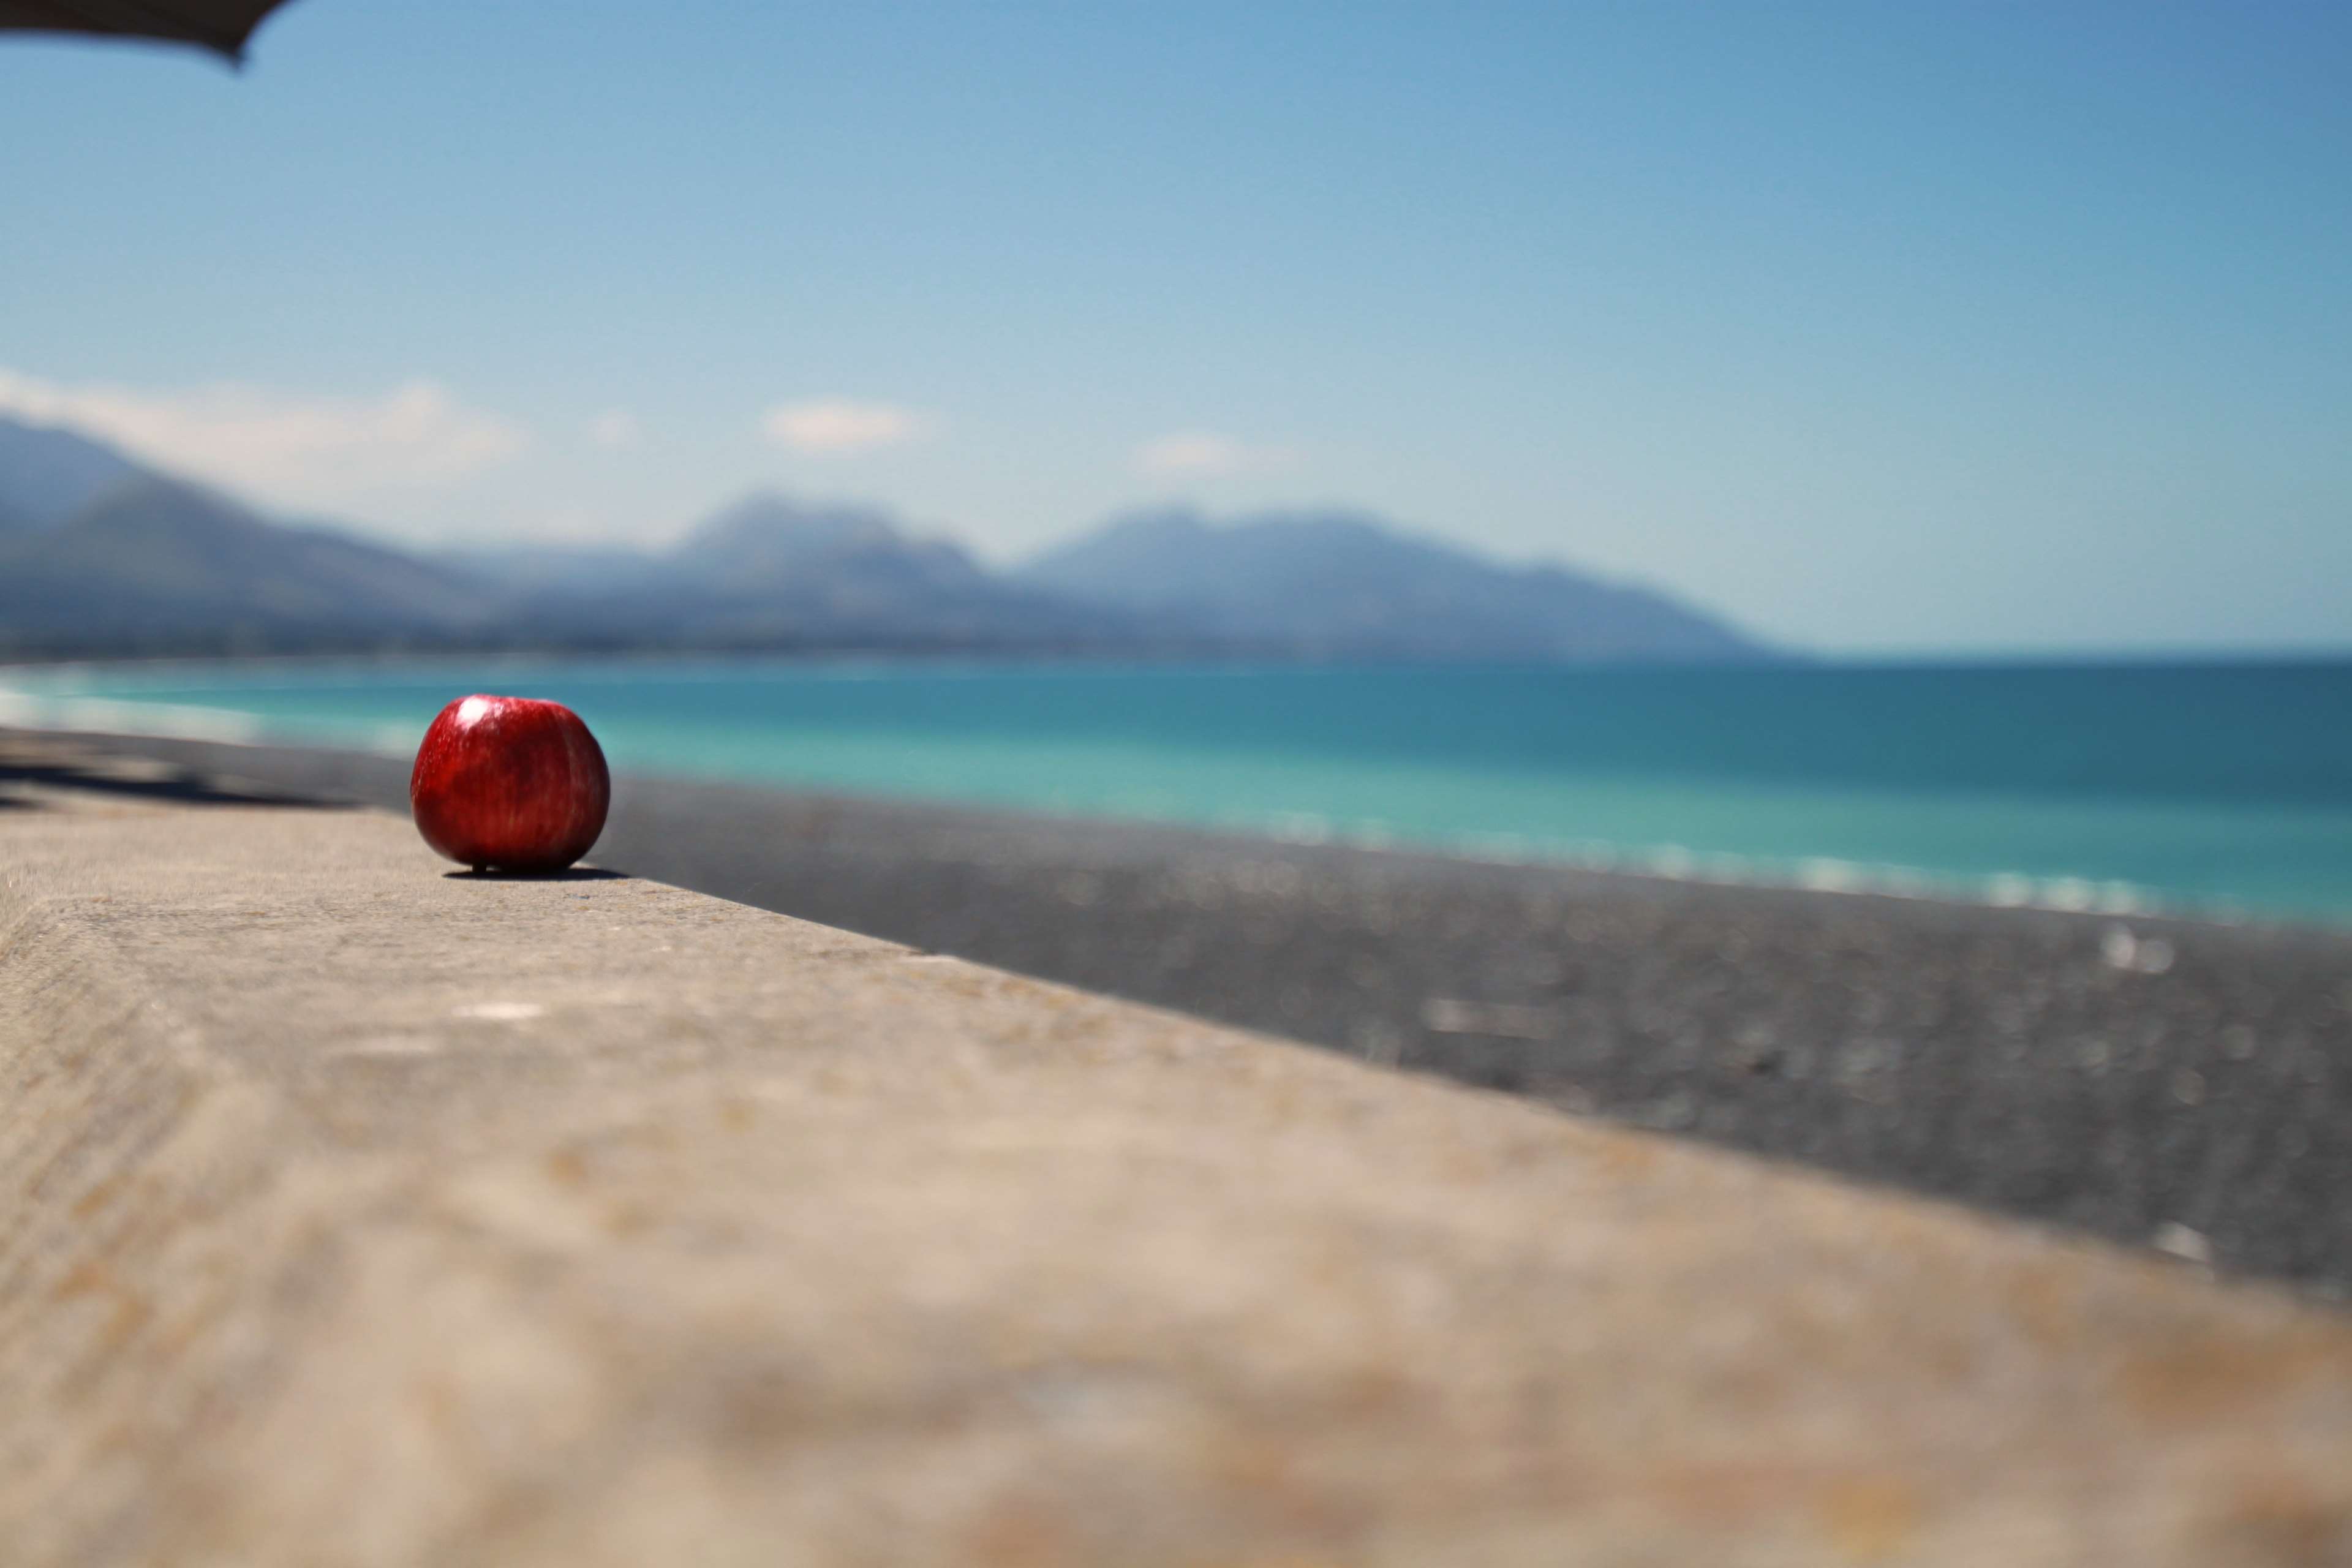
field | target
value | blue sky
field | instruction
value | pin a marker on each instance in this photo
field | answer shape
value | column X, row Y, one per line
column 1881, row 328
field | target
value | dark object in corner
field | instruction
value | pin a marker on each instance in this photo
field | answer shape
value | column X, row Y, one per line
column 220, row 26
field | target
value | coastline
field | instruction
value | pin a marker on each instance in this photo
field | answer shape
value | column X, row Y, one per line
column 2155, row 1081
column 1643, row 851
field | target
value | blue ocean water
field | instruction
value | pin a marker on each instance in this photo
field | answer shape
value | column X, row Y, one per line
column 2217, row 788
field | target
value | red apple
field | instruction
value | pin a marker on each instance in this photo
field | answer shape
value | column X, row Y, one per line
column 511, row 783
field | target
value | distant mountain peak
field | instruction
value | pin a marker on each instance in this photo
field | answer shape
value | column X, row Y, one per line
column 771, row 519
column 1321, row 527
column 771, row 539
column 47, row 473
column 1162, row 521
column 1339, row 583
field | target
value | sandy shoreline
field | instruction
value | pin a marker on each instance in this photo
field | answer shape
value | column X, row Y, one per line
column 2159, row 1081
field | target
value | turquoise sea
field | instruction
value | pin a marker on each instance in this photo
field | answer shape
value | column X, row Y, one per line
column 2217, row 788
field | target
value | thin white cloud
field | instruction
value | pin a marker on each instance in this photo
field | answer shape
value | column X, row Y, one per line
column 298, row 451
column 836, row 425
column 1202, row 454
column 614, row 427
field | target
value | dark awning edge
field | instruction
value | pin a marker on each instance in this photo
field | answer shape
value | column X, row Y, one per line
column 223, row 26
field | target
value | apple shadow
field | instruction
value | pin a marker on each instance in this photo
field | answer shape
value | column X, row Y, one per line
column 569, row 874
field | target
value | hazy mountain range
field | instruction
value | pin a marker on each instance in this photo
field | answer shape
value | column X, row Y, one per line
column 1333, row 584
column 102, row 556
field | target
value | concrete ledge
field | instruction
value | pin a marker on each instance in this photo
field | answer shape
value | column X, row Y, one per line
column 360, row 1214
column 2133, row 1079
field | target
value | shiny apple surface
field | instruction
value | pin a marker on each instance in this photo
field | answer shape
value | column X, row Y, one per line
column 509, row 783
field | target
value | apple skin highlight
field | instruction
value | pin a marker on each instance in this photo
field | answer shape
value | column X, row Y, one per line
column 509, row 783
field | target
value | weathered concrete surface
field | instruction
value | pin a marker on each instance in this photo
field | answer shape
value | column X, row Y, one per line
column 2139, row 1080
column 355, row 1214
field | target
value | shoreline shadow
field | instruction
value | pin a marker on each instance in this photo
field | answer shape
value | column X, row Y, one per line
column 184, row 786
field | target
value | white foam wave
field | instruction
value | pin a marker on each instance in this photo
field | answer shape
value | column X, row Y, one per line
column 112, row 716
column 1825, row 874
